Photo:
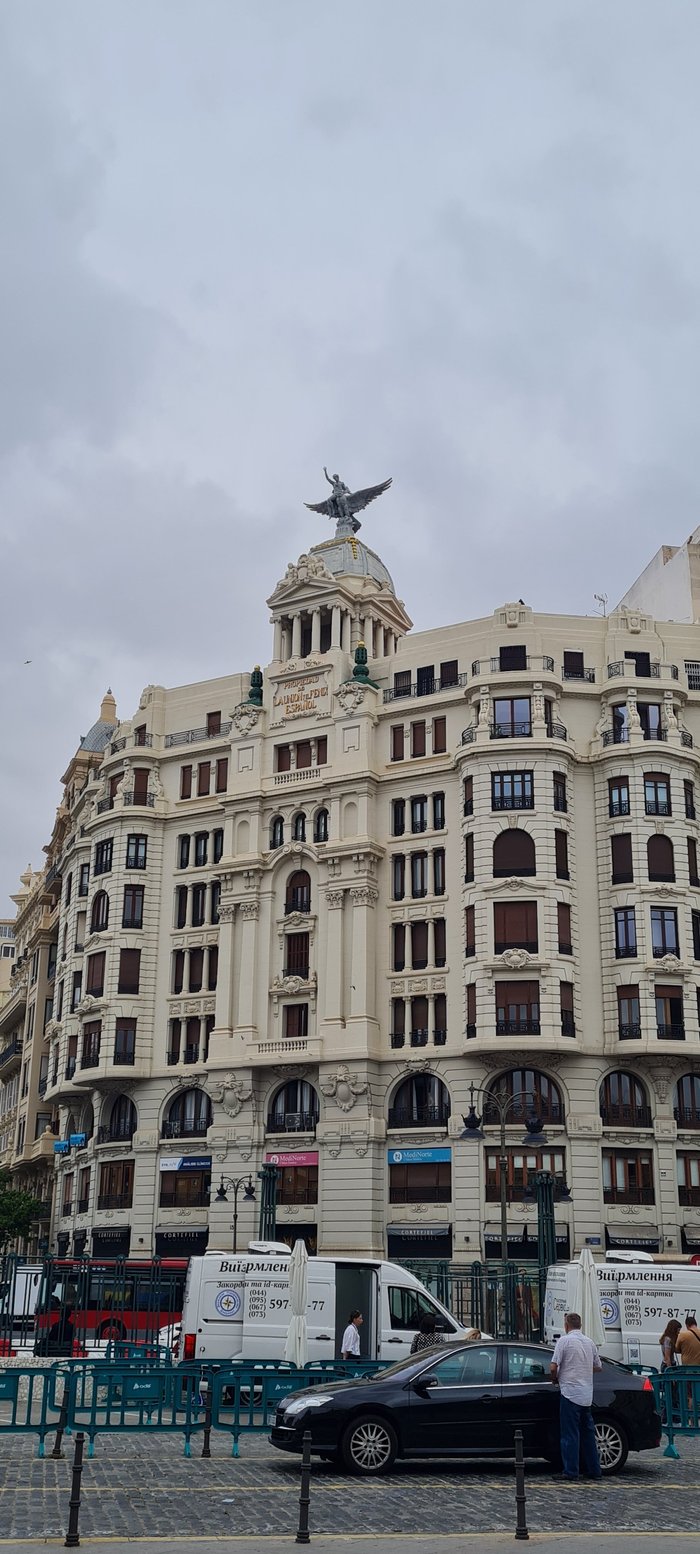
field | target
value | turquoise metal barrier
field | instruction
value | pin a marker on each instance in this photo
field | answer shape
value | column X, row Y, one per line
column 678, row 1400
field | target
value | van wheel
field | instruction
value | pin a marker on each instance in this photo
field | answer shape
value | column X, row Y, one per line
column 613, row 1449
column 369, row 1445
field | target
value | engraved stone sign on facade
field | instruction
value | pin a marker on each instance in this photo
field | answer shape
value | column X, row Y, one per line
column 303, row 697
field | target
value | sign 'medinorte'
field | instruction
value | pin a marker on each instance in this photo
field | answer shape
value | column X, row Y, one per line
column 301, row 697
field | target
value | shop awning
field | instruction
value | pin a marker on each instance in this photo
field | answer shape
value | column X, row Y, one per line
column 622, row 1238
column 691, row 1236
column 417, row 1232
column 523, row 1233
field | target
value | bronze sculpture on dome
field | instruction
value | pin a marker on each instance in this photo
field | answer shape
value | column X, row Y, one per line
column 344, row 504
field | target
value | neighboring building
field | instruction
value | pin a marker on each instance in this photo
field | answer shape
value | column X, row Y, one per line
column 7, row 955
column 299, row 930
column 669, row 587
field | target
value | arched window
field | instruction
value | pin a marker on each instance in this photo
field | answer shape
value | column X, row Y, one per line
column 321, row 826
column 624, row 1100
column 687, row 1101
column 294, row 1108
column 277, row 832
column 524, row 1093
column 513, row 853
column 660, row 865
column 420, row 1102
column 299, row 828
column 99, row 917
column 122, row 1119
column 298, row 894
column 87, row 1120
column 189, row 1116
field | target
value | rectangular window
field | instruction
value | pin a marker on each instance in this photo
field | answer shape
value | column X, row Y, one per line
column 185, row 1189
column 217, row 845
column 471, row 1009
column 419, row 946
column 181, row 906
column 515, row 926
column 295, row 1023
column 303, row 754
column 559, row 782
column 664, row 931
column 439, row 736
column 398, row 877
column 132, row 914
column 517, row 1008
column 201, row 848
column 573, row 665
column 657, row 795
column 439, row 871
column 178, row 970
column 419, row 815
column 469, row 857
column 92, row 1034
column 67, row 1200
column 561, row 854
column 625, row 933
column 419, row 875
column 215, row 900
column 68, row 890
column 185, row 782
column 196, row 970
column 213, row 724
column 322, row 750
column 688, row 1177
column 296, row 959
column 402, row 683
column 129, row 971
column 95, row 983
column 628, row 1016
column 512, row 657
column 76, row 991
column 618, row 796
column 522, row 1166
column 398, row 935
column 670, row 1024
column 103, row 857
column 440, row 941
column 116, row 1187
column 512, row 790
column 212, row 967
column 398, row 1022
column 449, row 673
column 621, row 850
column 424, row 1182
column 59, row 1008
column 397, row 742
column 564, row 928
column 628, row 1177
column 511, row 717
column 419, row 1022
column 83, row 1190
column 693, row 876
column 199, row 905
column 125, row 1042
column 689, row 799
column 695, row 919
column 425, row 680
column 203, row 778
column 283, row 758
column 469, row 931
column 398, row 817
column 566, row 1003
column 140, row 785
column 418, row 738
column 183, row 852
column 222, row 774
column 140, row 735
column 297, row 1185
column 84, row 879
column 650, row 719
column 468, row 793
column 136, row 851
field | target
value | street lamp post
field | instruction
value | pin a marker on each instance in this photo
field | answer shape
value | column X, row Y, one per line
column 235, row 1184
column 502, row 1101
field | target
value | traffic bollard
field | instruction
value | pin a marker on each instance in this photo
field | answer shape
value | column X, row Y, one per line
column 304, row 1496
column 73, row 1536
column 520, row 1497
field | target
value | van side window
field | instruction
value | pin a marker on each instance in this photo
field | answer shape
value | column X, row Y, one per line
column 406, row 1307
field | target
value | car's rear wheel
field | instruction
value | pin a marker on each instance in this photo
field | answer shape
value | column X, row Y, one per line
column 613, row 1447
column 369, row 1445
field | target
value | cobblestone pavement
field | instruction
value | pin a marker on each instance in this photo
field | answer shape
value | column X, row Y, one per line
column 146, row 1489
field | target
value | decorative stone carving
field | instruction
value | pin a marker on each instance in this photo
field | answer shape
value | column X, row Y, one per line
column 513, row 883
column 364, row 895
column 125, row 789
column 633, row 718
column 227, row 912
column 244, row 718
column 516, row 960
column 250, row 909
column 344, row 1088
column 351, row 695
column 146, row 697
column 484, row 707
column 306, row 567
column 668, row 963
column 668, row 715
column 230, row 1093
column 155, row 786
column 294, row 985
column 334, row 899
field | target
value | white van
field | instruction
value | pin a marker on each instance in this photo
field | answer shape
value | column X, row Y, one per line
column 636, row 1302
column 236, row 1306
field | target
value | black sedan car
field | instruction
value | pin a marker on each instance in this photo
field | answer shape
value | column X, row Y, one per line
column 463, row 1400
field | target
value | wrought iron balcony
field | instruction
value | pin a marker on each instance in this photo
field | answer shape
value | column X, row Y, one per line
column 116, row 1133
column 568, row 1024
column 513, row 801
column 689, row 1197
column 418, row 1117
column 523, row 665
column 659, row 950
column 630, row 1032
column 657, row 807
column 419, row 1038
column 426, row 688
column 628, row 1195
column 439, row 1038
column 626, row 1116
column 517, row 1027
column 114, row 1200
column 195, row 736
column 398, row 1039
column 579, row 674
column 626, row 952
column 673, row 1030
column 90, row 1060
column 297, row 901
column 616, row 736
column 520, row 730
column 469, row 734
column 687, row 1117
column 12, row 1050
column 184, row 1130
column 501, row 945
column 292, row 1122
column 616, row 809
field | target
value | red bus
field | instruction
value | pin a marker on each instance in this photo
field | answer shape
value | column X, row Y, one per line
column 90, row 1301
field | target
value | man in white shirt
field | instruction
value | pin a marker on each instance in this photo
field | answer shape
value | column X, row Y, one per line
column 350, row 1346
column 574, row 1360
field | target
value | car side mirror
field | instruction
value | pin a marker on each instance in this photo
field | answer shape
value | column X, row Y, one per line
column 424, row 1384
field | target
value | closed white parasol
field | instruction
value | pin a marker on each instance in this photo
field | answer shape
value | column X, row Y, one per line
column 588, row 1298
column 296, row 1347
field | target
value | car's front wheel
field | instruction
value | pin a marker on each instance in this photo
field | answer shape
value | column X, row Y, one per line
column 369, row 1445
column 613, row 1448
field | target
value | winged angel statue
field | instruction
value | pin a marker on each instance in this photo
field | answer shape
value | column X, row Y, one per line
column 344, row 503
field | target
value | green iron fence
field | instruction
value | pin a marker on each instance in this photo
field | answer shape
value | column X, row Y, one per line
column 504, row 1304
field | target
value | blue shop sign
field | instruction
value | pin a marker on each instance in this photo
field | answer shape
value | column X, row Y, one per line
column 418, row 1156
column 78, row 1140
column 62, row 1147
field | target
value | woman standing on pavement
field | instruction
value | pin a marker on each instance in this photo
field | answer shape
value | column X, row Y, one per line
column 667, row 1343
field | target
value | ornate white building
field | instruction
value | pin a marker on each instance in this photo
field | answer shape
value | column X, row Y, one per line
column 301, row 912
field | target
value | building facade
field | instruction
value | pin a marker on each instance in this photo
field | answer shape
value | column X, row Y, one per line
column 302, row 912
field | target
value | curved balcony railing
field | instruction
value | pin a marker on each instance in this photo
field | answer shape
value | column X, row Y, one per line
column 418, row 1117
column 626, row 1116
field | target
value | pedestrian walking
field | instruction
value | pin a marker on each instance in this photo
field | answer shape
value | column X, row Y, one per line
column 688, row 1342
column 574, row 1360
column 667, row 1344
column 427, row 1336
column 350, row 1346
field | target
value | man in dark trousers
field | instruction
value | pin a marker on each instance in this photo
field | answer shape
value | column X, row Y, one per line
column 574, row 1360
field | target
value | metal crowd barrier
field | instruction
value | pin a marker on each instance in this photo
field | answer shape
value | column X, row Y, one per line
column 678, row 1400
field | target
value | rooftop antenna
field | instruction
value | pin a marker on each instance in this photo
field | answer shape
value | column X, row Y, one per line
column 602, row 600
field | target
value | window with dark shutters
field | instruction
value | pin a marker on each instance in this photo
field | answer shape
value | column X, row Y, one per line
column 419, row 946
column 129, row 971
column 440, row 941
column 185, row 782
column 660, row 863
column 399, row 946
column 222, row 774
column 95, row 980
column 514, row 853
column 469, row 931
column 515, row 926
column 418, row 738
column 621, row 851
column 196, row 970
column 471, row 1009
column 397, row 742
column 564, row 927
column 141, row 785
column 439, row 736
column 561, row 854
column 203, row 778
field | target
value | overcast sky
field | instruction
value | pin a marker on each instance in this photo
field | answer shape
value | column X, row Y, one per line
column 449, row 241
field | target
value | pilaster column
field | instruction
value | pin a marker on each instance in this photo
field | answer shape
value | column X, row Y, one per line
column 248, row 912
column 220, row 1038
column 362, row 989
column 315, row 631
column 336, row 625
column 296, row 635
column 333, row 970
